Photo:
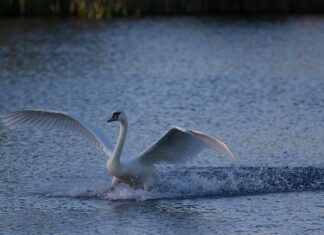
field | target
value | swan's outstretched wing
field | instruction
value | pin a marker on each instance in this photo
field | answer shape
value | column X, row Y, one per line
column 178, row 145
column 58, row 120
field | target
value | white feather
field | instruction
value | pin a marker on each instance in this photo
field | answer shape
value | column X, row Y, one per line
column 57, row 120
column 177, row 145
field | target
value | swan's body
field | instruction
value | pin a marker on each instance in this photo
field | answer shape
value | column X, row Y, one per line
column 175, row 146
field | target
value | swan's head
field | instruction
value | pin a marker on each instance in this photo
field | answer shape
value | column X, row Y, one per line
column 117, row 116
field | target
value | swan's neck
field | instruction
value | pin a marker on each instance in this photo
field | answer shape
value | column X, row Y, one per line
column 113, row 165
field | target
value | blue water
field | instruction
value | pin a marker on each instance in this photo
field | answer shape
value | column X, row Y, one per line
column 255, row 84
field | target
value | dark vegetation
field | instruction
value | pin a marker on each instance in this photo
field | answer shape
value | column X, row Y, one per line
column 134, row 8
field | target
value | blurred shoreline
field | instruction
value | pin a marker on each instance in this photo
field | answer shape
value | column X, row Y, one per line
column 99, row 9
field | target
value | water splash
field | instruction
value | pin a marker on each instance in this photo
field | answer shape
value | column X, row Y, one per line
column 202, row 182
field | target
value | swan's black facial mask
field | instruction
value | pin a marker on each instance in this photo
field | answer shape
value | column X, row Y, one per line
column 114, row 117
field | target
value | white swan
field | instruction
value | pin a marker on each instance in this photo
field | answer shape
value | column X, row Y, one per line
column 175, row 146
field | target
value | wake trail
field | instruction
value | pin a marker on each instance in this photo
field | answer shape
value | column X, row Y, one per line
column 195, row 182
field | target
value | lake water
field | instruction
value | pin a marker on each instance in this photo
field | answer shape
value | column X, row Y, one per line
column 258, row 85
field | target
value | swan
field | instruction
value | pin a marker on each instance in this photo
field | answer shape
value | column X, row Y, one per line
column 175, row 146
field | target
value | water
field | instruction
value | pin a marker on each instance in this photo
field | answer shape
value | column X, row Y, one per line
column 255, row 84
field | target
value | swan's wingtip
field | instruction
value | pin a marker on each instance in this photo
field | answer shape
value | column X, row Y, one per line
column 232, row 156
column 229, row 153
column 3, row 119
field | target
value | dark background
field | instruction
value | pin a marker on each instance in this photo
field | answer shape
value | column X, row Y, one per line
column 135, row 8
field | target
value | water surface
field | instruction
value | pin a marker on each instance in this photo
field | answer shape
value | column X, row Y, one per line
column 256, row 85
